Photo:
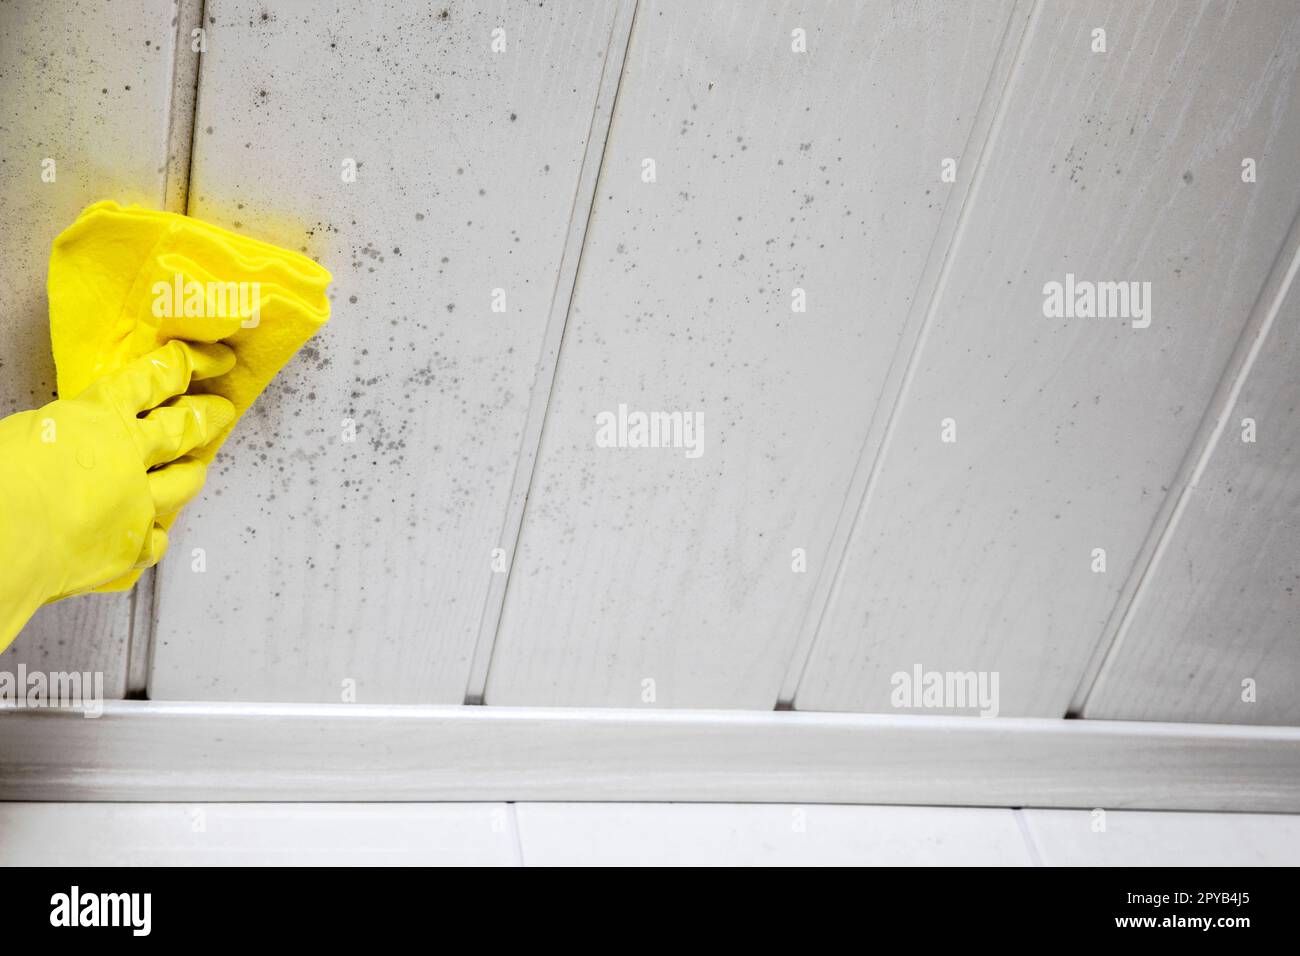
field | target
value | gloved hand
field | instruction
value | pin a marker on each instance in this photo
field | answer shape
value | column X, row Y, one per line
column 84, row 480
column 123, row 281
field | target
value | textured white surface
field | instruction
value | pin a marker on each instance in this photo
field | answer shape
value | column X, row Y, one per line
column 368, row 565
column 156, row 750
column 368, row 562
column 627, row 834
column 641, row 834
column 1139, row 838
column 775, row 171
column 256, row 834
column 977, row 555
column 1215, row 629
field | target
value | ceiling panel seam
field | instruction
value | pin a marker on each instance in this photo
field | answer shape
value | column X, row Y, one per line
column 994, row 104
column 584, row 203
column 1268, row 304
column 182, row 102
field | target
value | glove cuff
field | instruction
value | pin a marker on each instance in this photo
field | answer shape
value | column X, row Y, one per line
column 26, row 581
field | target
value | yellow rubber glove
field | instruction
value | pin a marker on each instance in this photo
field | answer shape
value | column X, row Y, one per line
column 85, row 481
column 124, row 280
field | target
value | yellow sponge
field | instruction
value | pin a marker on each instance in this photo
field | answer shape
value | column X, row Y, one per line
column 125, row 280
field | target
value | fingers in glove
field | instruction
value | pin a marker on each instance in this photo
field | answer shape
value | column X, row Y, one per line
column 174, row 486
column 166, row 372
column 190, row 422
column 155, row 546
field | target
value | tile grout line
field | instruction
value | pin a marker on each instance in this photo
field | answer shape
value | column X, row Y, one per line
column 582, row 212
column 512, row 816
column 991, row 111
column 1263, row 314
column 1027, row 834
column 182, row 106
